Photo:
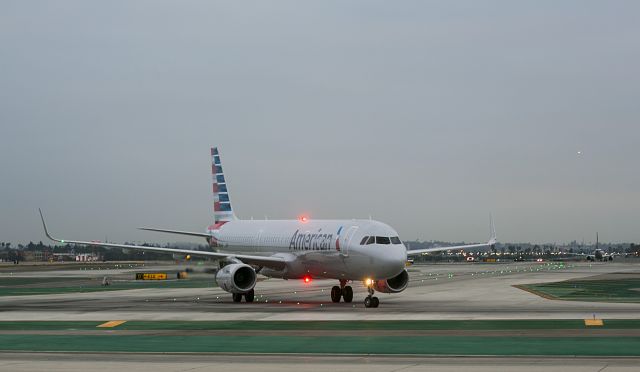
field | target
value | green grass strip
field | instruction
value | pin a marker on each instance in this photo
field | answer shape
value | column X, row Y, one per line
column 96, row 286
column 326, row 325
column 618, row 290
column 447, row 345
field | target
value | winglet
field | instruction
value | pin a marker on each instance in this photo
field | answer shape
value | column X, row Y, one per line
column 492, row 228
column 46, row 232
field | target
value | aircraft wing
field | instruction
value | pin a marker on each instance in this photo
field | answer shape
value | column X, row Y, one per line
column 276, row 263
column 490, row 244
column 414, row 252
column 178, row 232
column 590, row 254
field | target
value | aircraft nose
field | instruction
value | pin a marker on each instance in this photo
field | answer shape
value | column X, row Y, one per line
column 395, row 259
column 402, row 255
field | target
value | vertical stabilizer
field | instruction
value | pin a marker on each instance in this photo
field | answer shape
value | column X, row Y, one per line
column 222, row 210
column 492, row 230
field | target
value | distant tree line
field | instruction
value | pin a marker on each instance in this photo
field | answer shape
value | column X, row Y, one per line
column 519, row 250
column 10, row 253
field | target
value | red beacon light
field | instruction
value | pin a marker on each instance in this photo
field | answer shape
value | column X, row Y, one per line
column 306, row 279
column 303, row 219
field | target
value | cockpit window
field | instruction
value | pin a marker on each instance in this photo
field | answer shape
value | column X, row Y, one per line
column 395, row 240
column 382, row 240
column 364, row 240
column 372, row 239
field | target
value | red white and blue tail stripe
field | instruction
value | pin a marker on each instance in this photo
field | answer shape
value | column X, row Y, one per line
column 222, row 210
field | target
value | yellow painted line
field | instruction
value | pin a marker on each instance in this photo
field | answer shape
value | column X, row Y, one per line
column 593, row 322
column 111, row 324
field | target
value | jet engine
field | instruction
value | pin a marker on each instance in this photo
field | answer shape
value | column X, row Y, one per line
column 236, row 278
column 393, row 285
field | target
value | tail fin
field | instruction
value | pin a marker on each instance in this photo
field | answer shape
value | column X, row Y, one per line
column 222, row 210
column 492, row 228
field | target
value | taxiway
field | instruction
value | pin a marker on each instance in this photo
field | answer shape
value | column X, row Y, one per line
column 442, row 291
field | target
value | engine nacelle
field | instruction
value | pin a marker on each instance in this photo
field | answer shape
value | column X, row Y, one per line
column 236, row 278
column 393, row 285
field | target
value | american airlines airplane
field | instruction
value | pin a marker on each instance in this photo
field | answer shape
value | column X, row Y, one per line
column 345, row 250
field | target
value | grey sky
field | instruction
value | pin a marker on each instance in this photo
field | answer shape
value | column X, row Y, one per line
column 427, row 115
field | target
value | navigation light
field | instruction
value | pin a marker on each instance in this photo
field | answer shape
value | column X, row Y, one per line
column 306, row 279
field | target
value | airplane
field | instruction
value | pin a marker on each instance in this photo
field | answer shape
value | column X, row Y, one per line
column 598, row 254
column 346, row 250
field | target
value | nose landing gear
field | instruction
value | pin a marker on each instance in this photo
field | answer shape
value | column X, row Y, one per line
column 345, row 291
column 371, row 300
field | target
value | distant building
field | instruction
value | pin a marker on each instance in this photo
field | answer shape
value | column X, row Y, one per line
column 38, row 256
column 87, row 257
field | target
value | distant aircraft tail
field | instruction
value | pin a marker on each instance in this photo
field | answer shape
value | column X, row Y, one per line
column 492, row 229
column 222, row 210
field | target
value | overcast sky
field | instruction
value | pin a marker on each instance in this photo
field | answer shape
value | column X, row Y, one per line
column 426, row 115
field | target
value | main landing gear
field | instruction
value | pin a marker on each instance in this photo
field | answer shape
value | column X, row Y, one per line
column 249, row 296
column 344, row 291
column 371, row 300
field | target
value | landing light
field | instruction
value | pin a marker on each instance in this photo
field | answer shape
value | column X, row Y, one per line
column 368, row 282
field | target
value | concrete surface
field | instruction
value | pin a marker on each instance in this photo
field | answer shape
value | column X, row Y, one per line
column 28, row 362
column 442, row 291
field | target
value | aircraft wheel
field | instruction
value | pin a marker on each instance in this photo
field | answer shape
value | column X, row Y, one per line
column 336, row 292
column 368, row 301
column 249, row 296
column 375, row 302
column 347, row 294
column 237, row 297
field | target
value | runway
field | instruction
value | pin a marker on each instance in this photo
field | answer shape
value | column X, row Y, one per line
column 452, row 317
column 442, row 291
column 28, row 362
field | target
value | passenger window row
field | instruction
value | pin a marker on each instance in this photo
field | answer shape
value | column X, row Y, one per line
column 380, row 240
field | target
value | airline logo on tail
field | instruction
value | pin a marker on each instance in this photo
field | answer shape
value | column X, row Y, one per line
column 222, row 211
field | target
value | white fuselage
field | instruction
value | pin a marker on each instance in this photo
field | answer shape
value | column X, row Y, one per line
column 316, row 248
